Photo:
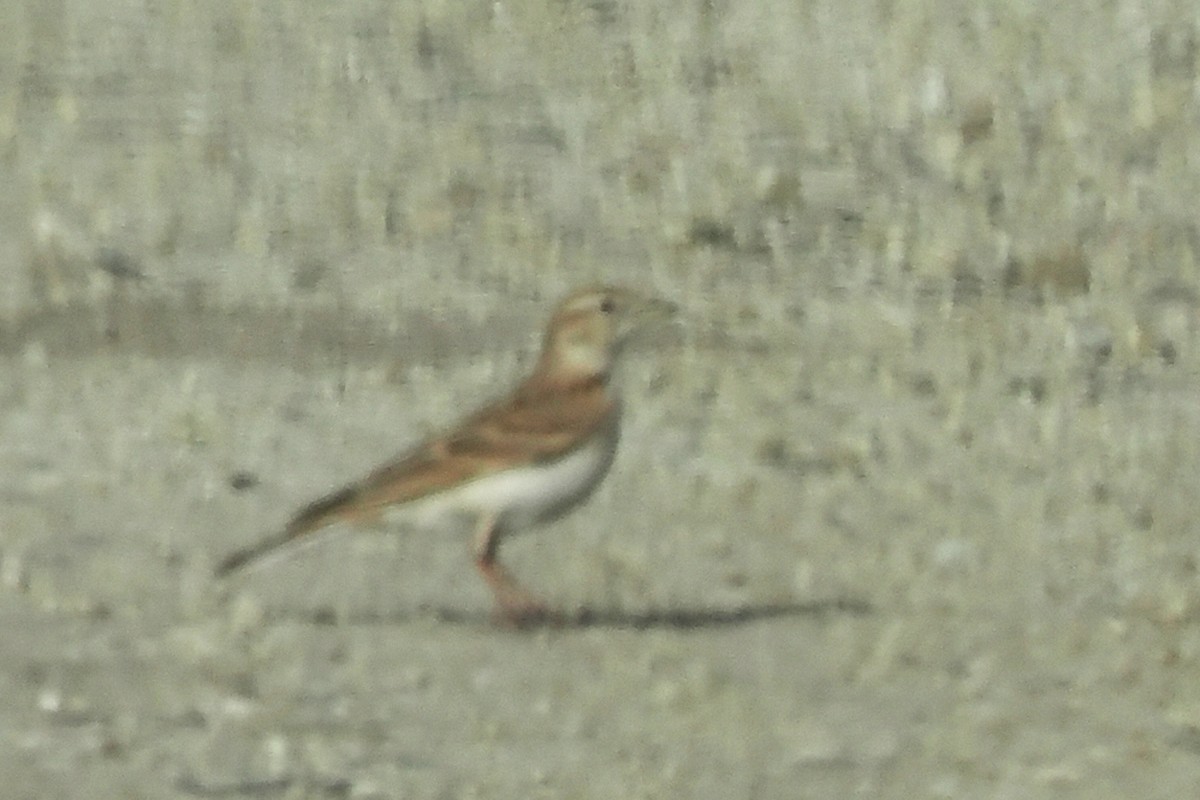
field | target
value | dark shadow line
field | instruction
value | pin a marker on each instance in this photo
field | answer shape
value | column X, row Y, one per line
column 682, row 619
column 302, row 338
column 267, row 787
column 190, row 785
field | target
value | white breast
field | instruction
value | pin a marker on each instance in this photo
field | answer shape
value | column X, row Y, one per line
column 527, row 494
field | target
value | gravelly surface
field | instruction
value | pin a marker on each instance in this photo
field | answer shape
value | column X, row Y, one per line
column 904, row 503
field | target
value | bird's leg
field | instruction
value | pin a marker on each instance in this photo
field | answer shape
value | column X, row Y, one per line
column 514, row 604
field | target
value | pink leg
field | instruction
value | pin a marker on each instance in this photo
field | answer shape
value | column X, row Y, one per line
column 514, row 604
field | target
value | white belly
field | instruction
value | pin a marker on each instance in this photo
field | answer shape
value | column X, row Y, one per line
column 524, row 495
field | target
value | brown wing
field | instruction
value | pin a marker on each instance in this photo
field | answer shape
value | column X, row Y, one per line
column 532, row 426
column 536, row 424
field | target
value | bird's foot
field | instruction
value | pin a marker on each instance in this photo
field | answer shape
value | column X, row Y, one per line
column 519, row 609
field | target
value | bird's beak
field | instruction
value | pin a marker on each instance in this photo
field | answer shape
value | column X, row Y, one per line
column 643, row 313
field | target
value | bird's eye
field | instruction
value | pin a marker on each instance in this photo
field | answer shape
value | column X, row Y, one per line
column 607, row 306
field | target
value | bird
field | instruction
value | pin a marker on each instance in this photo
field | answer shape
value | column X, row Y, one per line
column 523, row 460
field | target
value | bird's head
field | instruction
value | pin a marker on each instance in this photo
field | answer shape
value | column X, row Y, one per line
column 589, row 327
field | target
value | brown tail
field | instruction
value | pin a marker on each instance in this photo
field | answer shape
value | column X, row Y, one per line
column 318, row 515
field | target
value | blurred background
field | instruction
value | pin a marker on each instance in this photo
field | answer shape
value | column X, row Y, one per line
column 903, row 505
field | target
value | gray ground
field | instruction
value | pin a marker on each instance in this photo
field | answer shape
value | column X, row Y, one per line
column 904, row 502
